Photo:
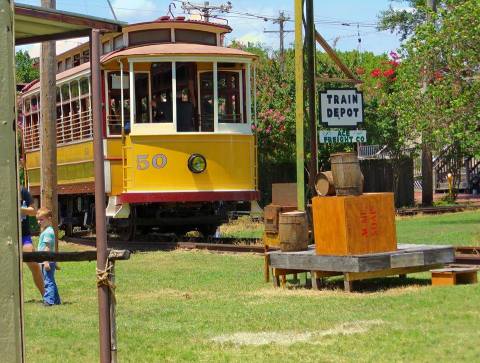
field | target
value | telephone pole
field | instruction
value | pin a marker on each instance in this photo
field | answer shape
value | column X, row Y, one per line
column 206, row 9
column 281, row 20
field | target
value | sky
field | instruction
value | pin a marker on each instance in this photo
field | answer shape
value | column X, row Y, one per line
column 340, row 21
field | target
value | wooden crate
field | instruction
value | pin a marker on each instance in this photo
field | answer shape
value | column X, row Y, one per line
column 284, row 194
column 454, row 275
column 353, row 225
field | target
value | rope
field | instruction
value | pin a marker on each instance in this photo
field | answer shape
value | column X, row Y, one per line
column 103, row 279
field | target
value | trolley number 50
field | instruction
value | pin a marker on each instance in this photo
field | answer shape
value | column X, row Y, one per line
column 159, row 161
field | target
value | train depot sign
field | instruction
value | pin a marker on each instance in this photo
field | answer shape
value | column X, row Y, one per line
column 341, row 107
column 343, row 136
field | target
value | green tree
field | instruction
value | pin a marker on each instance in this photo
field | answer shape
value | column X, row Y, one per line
column 25, row 71
column 404, row 21
column 436, row 100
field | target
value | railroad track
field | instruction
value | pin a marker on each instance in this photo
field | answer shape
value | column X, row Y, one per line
column 236, row 245
column 436, row 210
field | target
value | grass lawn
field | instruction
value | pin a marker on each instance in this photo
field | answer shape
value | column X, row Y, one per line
column 206, row 307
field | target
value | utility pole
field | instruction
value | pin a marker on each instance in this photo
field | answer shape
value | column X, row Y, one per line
column 427, row 164
column 48, row 128
column 206, row 9
column 281, row 20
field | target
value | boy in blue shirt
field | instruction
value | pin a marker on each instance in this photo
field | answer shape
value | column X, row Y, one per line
column 47, row 243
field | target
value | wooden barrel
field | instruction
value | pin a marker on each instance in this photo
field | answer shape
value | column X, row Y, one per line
column 347, row 177
column 292, row 231
column 324, row 183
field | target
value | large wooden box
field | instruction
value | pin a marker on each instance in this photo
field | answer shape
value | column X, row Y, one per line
column 352, row 225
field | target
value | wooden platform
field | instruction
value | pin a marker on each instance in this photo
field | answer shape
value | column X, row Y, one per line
column 407, row 259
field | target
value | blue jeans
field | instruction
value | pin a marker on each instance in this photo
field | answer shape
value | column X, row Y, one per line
column 51, row 296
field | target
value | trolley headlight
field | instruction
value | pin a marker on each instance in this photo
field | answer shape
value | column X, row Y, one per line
column 197, row 163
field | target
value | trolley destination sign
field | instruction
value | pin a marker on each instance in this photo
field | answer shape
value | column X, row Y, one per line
column 341, row 107
column 343, row 136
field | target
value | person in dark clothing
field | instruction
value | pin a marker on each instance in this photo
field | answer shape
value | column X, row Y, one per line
column 26, row 210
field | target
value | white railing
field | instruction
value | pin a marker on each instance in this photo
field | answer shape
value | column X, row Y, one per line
column 368, row 151
column 31, row 137
column 69, row 129
column 114, row 125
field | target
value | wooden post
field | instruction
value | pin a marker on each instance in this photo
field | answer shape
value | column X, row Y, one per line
column 299, row 104
column 11, row 301
column 266, row 266
column 100, row 217
column 48, row 128
column 311, row 50
column 113, row 321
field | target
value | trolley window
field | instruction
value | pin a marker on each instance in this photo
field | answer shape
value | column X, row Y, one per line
column 186, row 100
column 142, row 98
column 149, row 37
column 162, row 103
column 206, row 102
column 118, row 42
column 230, row 97
column 195, row 37
column 106, row 47
column 114, row 105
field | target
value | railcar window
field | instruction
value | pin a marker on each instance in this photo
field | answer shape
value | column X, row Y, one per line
column 84, row 90
column 195, row 37
column 229, row 97
column 118, row 42
column 65, row 92
column 186, row 100
column 162, row 103
column 86, row 56
column 206, row 102
column 149, row 37
column 74, row 89
column 76, row 60
column 114, row 113
column 142, row 102
column 31, row 115
column 106, row 47
column 27, row 106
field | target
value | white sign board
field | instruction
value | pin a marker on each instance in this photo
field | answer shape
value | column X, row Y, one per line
column 343, row 136
column 341, row 107
column 117, row 83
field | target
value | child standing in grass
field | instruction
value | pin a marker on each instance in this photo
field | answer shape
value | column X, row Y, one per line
column 47, row 243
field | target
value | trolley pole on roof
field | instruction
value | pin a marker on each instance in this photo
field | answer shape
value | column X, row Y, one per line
column 11, row 301
column 299, row 104
column 100, row 217
column 48, row 128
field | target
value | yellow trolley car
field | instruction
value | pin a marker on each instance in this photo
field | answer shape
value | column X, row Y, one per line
column 177, row 105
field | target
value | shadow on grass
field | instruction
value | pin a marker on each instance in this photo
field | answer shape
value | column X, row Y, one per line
column 39, row 301
column 364, row 286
